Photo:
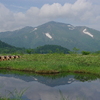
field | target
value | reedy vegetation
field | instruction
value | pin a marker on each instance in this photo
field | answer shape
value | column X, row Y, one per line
column 15, row 95
column 48, row 63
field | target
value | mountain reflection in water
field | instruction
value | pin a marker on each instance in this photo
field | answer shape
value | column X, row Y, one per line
column 47, row 88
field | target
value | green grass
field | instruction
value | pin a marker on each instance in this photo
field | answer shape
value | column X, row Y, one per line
column 54, row 63
column 14, row 95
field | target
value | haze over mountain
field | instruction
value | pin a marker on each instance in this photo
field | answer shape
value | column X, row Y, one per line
column 54, row 33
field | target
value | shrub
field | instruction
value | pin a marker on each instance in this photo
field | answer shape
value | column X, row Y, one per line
column 85, row 52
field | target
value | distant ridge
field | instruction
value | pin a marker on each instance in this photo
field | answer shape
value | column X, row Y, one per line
column 54, row 33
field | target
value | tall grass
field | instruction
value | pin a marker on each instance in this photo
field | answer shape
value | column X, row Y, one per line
column 68, row 98
column 55, row 63
column 13, row 95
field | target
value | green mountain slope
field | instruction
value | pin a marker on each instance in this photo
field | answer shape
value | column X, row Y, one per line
column 5, row 48
column 51, row 49
column 54, row 33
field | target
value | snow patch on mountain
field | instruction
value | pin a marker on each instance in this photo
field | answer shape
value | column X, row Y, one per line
column 71, row 27
column 86, row 32
column 35, row 29
column 48, row 35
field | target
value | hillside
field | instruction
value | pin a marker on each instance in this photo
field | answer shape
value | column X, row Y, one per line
column 51, row 49
column 6, row 48
column 54, row 33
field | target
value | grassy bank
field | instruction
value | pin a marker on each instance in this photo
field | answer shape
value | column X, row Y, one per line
column 54, row 63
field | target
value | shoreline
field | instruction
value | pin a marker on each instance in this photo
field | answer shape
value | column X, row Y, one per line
column 50, row 72
column 54, row 63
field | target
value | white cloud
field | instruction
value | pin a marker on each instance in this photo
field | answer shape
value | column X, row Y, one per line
column 6, row 17
column 82, row 11
column 51, row 11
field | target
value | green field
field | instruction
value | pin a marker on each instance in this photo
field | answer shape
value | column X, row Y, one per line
column 54, row 63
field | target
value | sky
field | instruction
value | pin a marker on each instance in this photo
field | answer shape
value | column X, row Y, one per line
column 16, row 14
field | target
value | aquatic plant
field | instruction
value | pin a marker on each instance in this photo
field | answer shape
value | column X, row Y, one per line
column 14, row 95
column 62, row 96
column 68, row 98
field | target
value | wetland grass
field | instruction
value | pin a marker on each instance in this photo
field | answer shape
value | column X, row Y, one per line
column 14, row 95
column 54, row 63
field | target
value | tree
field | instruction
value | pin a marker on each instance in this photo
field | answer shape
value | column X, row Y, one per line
column 85, row 52
column 29, row 51
column 74, row 51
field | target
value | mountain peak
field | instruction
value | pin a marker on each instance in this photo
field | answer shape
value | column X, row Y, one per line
column 54, row 22
column 51, row 22
column 55, row 33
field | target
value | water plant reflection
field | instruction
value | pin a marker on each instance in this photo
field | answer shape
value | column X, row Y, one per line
column 77, row 76
column 46, row 87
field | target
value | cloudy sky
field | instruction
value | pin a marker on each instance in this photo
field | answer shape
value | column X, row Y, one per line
column 15, row 14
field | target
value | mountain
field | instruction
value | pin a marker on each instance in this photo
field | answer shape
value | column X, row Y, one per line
column 6, row 48
column 54, row 33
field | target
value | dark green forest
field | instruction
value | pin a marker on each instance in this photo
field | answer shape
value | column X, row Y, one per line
column 51, row 49
column 6, row 48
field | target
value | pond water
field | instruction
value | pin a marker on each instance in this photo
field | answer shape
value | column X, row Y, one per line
column 56, row 87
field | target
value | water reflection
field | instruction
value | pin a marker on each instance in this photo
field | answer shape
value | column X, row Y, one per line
column 46, row 87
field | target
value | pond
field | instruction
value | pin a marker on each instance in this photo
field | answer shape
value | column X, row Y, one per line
column 66, row 86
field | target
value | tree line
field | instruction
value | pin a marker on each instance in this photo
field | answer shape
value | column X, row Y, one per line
column 8, row 49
